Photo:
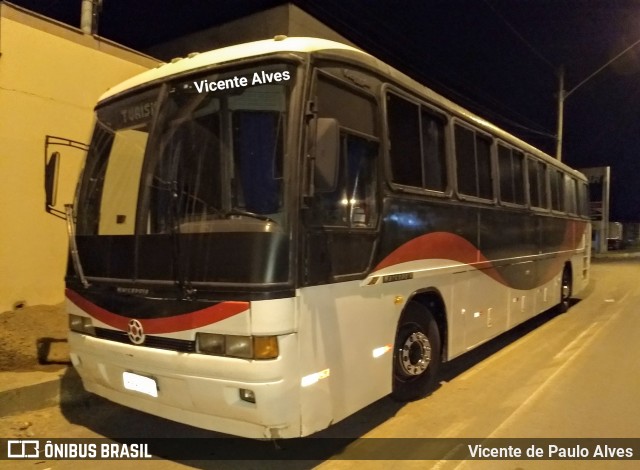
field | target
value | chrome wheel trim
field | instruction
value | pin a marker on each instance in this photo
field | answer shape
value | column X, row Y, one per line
column 415, row 354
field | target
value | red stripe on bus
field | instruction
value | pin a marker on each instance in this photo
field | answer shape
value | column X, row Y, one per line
column 441, row 245
column 435, row 245
column 186, row 321
column 449, row 246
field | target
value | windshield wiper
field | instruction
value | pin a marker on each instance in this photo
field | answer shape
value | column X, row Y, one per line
column 252, row 215
column 181, row 279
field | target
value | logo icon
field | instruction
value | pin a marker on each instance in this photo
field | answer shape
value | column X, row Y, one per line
column 23, row 449
column 135, row 332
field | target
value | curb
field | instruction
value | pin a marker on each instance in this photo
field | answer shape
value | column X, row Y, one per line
column 614, row 255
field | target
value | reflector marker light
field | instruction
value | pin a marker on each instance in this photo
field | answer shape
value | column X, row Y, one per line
column 314, row 378
column 377, row 352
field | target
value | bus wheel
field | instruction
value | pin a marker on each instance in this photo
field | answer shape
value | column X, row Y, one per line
column 565, row 290
column 416, row 355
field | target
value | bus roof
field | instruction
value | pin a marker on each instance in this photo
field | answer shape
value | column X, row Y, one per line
column 218, row 56
column 277, row 44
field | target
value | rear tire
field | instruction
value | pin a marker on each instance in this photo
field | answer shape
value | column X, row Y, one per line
column 417, row 355
column 566, row 290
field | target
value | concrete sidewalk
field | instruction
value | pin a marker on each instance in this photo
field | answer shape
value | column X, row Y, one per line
column 35, row 371
column 27, row 391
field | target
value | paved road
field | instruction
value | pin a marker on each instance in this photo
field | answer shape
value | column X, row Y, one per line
column 559, row 376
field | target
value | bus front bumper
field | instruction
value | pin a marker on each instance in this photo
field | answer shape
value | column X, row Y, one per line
column 196, row 389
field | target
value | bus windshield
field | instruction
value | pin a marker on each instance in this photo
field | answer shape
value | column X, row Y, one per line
column 184, row 182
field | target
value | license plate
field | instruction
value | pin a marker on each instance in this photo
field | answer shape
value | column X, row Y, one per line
column 140, row 383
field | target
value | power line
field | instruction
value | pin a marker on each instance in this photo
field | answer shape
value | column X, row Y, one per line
column 394, row 42
column 521, row 37
column 627, row 49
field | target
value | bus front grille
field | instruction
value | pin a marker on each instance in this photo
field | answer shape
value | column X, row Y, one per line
column 157, row 342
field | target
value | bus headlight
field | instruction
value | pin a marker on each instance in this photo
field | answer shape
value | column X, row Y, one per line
column 245, row 347
column 210, row 344
column 81, row 324
column 239, row 346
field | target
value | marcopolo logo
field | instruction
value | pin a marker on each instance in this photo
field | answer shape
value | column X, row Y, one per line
column 136, row 332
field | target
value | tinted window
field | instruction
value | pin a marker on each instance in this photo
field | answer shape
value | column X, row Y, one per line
column 473, row 163
column 505, row 168
column 483, row 162
column 352, row 203
column 537, row 183
column 417, row 145
column 556, row 186
column 355, row 111
column 404, row 138
column 518, row 177
column 571, row 195
column 583, row 199
column 434, row 157
column 466, row 161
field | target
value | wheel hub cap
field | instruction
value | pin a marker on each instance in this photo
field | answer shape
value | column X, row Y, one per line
column 415, row 354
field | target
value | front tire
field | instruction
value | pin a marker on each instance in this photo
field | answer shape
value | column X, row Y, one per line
column 417, row 353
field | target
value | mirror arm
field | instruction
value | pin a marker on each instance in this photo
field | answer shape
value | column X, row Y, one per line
column 73, row 247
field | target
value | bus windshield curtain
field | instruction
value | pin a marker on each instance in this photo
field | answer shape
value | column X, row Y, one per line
column 257, row 156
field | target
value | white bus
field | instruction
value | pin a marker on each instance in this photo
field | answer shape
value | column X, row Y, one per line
column 271, row 236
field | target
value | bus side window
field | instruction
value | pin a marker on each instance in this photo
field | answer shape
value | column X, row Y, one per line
column 353, row 202
column 557, row 190
column 537, row 183
column 510, row 168
column 404, row 137
column 473, row 163
column 583, row 199
column 434, row 157
column 417, row 145
column 570, row 195
column 518, row 177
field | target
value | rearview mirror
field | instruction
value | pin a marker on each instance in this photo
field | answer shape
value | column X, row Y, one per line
column 54, row 170
column 51, row 172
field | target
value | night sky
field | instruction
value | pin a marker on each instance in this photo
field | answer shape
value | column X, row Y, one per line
column 499, row 58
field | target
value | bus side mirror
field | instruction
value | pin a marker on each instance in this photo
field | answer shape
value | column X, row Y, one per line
column 51, row 172
column 326, row 154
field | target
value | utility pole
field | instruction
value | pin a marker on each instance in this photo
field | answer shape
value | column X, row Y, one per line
column 560, row 114
column 563, row 95
column 89, row 16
